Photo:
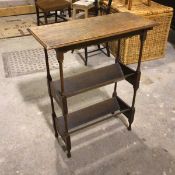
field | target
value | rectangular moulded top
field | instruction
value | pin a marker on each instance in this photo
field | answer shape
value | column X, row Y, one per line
column 62, row 35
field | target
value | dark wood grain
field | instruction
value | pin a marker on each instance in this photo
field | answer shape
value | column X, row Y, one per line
column 88, row 80
column 81, row 118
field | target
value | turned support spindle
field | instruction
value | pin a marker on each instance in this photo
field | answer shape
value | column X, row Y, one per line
column 149, row 2
column 129, row 4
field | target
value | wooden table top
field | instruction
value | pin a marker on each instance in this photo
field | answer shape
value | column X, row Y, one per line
column 62, row 35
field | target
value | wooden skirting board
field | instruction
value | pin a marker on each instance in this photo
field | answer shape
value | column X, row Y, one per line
column 17, row 10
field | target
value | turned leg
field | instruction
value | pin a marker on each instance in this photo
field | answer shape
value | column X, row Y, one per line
column 37, row 15
column 56, row 16
column 107, row 49
column 117, row 59
column 126, row 2
column 74, row 13
column 49, row 79
column 137, row 79
column 86, row 13
column 86, row 56
column 60, row 57
column 69, row 12
column 67, row 136
column 45, row 18
column 96, row 7
column 115, row 90
column 149, row 2
column 129, row 4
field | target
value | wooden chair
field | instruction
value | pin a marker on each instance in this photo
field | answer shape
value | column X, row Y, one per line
column 106, row 9
column 91, row 9
column 50, row 8
column 129, row 3
column 83, row 6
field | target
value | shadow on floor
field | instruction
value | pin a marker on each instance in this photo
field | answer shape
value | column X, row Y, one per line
column 104, row 148
column 108, row 148
column 35, row 91
column 171, row 37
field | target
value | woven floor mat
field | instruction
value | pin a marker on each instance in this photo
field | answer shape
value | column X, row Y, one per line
column 27, row 62
column 14, row 26
column 14, row 3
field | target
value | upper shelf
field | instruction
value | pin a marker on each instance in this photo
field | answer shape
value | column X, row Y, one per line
column 88, row 80
column 83, row 31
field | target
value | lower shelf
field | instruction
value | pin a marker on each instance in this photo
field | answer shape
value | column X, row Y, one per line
column 84, row 117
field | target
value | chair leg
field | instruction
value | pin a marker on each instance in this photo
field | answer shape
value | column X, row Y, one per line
column 62, row 13
column 69, row 12
column 86, row 56
column 45, row 18
column 55, row 16
column 86, row 13
column 74, row 13
column 37, row 16
column 68, row 145
column 107, row 50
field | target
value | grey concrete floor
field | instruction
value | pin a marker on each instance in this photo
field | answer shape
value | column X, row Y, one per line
column 27, row 142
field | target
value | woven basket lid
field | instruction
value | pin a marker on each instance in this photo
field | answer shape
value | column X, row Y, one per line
column 139, row 7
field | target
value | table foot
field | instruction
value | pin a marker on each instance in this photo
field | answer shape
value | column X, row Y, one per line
column 56, row 134
column 86, row 56
column 129, row 127
column 107, row 50
column 68, row 154
column 55, row 130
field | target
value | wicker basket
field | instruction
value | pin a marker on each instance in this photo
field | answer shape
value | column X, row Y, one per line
column 156, row 41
